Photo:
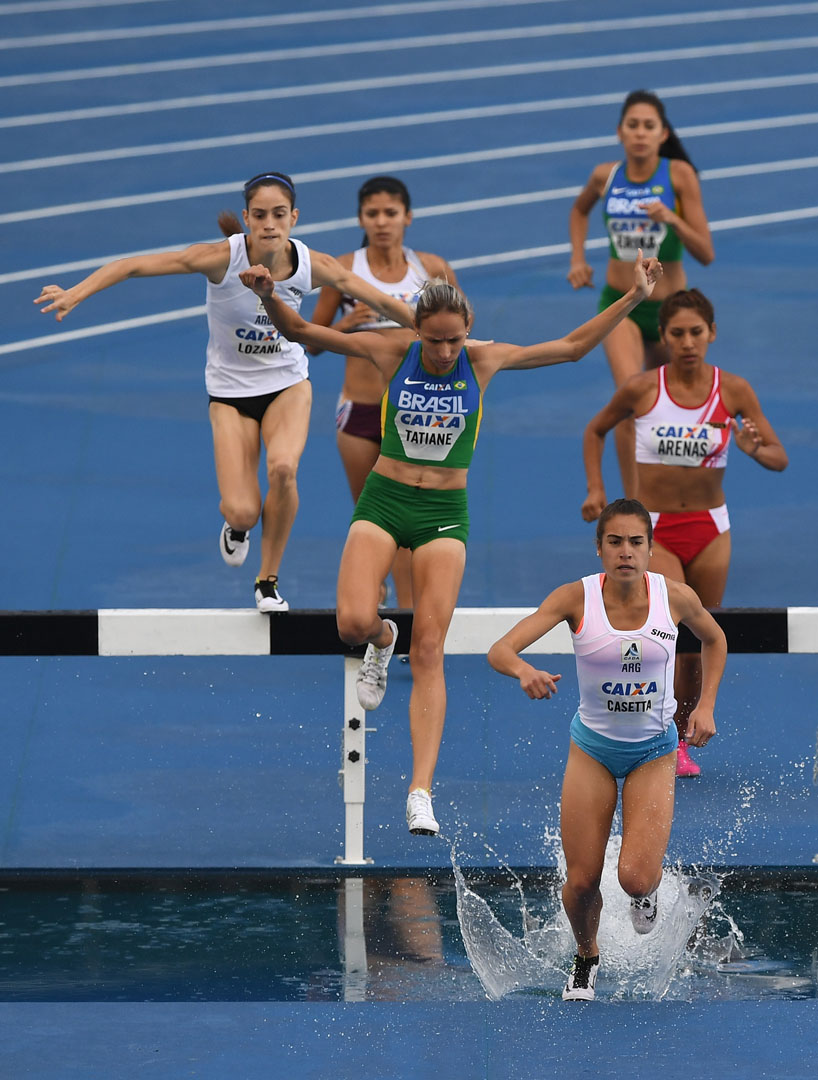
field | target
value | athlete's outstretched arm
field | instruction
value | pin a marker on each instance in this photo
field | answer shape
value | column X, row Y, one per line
column 385, row 354
column 578, row 342
column 211, row 260
column 562, row 604
column 328, row 271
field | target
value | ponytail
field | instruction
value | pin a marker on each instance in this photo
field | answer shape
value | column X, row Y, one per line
column 229, row 223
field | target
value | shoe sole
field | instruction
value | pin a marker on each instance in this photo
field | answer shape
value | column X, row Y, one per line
column 424, row 832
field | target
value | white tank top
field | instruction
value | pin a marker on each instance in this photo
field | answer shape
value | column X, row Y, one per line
column 406, row 289
column 626, row 676
column 673, row 434
column 246, row 355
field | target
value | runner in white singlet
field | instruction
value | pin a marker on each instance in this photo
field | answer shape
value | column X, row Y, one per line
column 624, row 624
column 256, row 380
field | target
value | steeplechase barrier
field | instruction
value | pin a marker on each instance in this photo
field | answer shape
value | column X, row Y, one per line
column 122, row 632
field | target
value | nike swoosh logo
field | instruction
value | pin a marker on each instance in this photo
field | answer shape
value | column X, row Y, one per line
column 416, row 382
column 445, row 528
column 227, row 548
column 618, row 190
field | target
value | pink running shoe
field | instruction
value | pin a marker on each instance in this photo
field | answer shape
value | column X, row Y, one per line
column 685, row 765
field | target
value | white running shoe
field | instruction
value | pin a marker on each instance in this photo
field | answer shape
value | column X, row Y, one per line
column 420, row 817
column 582, row 979
column 644, row 910
column 371, row 681
column 268, row 597
column 233, row 545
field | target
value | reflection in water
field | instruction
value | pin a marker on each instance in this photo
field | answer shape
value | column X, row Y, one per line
column 390, row 934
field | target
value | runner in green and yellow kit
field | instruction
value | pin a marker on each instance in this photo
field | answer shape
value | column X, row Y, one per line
column 415, row 496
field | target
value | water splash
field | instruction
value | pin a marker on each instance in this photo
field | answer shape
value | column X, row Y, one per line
column 634, row 966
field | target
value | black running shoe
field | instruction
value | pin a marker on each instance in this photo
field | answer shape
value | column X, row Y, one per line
column 582, row 979
column 268, row 597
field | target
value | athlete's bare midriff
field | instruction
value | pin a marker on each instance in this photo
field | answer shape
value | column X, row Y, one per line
column 423, row 476
column 671, row 489
column 620, row 277
column 363, row 383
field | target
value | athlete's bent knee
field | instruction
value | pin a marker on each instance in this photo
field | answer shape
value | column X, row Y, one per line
column 241, row 514
column 638, row 881
column 354, row 628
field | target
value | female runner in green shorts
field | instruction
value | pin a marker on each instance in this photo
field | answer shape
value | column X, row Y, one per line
column 651, row 201
column 415, row 496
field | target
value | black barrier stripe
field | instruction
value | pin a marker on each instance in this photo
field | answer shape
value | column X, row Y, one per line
column 49, row 633
column 748, row 630
column 314, row 633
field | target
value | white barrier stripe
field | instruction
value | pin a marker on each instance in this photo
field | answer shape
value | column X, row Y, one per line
column 205, row 632
column 404, row 165
column 520, row 255
column 802, row 630
column 440, row 209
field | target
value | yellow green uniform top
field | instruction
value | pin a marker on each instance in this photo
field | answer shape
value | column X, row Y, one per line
column 428, row 418
column 629, row 227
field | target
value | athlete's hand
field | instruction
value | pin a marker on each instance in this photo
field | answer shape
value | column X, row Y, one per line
column 657, row 211
column 701, row 727
column 646, row 272
column 538, row 684
column 360, row 313
column 259, row 279
column 56, row 299
column 581, row 275
column 746, row 435
column 593, row 506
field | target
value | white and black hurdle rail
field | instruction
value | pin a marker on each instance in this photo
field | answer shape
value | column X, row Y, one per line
column 245, row 632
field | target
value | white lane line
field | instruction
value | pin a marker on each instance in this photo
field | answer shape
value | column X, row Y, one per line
column 424, row 7
column 415, row 77
column 42, row 6
column 638, row 23
column 387, row 123
column 468, row 206
column 520, row 255
column 106, row 328
column 404, row 165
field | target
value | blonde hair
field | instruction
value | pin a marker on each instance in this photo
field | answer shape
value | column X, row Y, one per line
column 439, row 295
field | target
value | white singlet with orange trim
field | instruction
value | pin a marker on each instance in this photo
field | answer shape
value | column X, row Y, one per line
column 246, row 355
column 673, row 434
column 626, row 676
column 406, row 289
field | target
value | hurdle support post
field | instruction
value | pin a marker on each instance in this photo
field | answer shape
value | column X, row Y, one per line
column 353, row 769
